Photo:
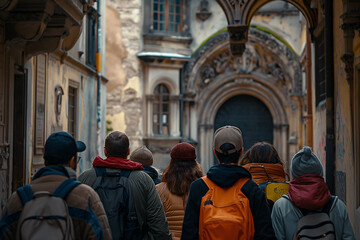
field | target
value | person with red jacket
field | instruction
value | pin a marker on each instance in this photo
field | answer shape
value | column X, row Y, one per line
column 144, row 199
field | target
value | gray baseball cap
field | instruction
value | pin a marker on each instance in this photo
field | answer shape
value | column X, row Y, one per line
column 228, row 134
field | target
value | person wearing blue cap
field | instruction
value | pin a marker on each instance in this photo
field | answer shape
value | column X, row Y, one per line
column 84, row 206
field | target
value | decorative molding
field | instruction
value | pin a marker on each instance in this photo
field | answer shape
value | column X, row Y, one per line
column 280, row 66
column 240, row 12
column 4, row 156
column 348, row 60
column 204, row 12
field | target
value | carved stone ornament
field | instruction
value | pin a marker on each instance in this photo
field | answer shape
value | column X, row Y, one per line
column 204, row 12
column 240, row 13
column 264, row 56
column 348, row 59
column 59, row 92
column 4, row 156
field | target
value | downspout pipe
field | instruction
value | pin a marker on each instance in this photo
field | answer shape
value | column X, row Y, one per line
column 329, row 76
column 98, row 70
column 309, row 118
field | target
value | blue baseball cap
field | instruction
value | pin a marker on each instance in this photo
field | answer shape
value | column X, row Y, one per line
column 60, row 147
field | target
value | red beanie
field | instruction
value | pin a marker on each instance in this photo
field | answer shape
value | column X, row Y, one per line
column 183, row 151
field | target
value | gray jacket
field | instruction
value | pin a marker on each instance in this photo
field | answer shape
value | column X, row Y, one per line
column 148, row 206
column 285, row 217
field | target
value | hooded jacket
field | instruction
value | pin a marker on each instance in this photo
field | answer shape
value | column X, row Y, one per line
column 152, row 173
column 174, row 207
column 225, row 176
column 88, row 214
column 308, row 192
column 147, row 203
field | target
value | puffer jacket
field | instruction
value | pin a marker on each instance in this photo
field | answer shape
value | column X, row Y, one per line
column 89, row 223
column 308, row 192
column 174, row 207
column 266, row 172
column 146, row 201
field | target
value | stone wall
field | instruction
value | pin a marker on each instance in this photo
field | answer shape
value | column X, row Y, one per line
column 124, row 92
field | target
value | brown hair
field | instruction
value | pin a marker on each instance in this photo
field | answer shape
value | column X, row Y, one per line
column 117, row 144
column 261, row 152
column 180, row 174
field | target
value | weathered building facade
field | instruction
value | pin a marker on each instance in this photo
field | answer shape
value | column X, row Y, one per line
column 182, row 68
column 48, row 82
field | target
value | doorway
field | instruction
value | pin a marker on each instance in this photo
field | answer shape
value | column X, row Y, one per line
column 250, row 115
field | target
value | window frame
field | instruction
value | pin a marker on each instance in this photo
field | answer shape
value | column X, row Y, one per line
column 320, row 80
column 75, row 87
column 158, row 110
column 167, row 14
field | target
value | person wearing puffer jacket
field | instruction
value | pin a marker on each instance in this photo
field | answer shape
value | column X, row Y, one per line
column 308, row 191
column 174, row 188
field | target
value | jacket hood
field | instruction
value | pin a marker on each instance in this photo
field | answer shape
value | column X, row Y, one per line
column 225, row 175
column 117, row 162
column 56, row 170
column 151, row 171
column 309, row 192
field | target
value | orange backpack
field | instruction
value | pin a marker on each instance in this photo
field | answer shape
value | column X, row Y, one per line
column 225, row 213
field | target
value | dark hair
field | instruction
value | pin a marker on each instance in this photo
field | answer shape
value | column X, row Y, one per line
column 261, row 152
column 117, row 144
column 180, row 174
column 228, row 158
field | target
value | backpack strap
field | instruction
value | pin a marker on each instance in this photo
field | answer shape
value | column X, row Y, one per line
column 304, row 212
column 25, row 193
column 328, row 206
column 65, row 188
column 101, row 172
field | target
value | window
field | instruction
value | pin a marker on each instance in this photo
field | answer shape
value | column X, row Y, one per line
column 161, row 109
column 167, row 15
column 320, row 82
column 40, row 104
column 91, row 35
column 72, row 108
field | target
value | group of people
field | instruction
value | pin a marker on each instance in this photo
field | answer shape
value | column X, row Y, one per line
column 122, row 198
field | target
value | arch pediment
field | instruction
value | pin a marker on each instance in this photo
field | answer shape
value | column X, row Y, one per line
column 265, row 57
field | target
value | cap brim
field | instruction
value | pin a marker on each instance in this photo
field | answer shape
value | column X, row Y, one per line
column 80, row 146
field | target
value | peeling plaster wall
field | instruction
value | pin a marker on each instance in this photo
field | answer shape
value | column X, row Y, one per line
column 345, row 164
column 124, row 92
column 61, row 74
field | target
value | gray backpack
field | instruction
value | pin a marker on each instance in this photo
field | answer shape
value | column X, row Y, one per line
column 45, row 215
column 315, row 224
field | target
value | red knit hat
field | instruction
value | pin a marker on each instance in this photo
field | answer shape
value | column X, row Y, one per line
column 183, row 151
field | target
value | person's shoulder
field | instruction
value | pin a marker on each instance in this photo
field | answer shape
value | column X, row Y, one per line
column 13, row 204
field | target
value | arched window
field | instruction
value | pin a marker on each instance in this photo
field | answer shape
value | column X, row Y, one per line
column 161, row 110
column 167, row 15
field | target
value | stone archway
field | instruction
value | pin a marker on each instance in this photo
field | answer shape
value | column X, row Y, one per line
column 250, row 115
column 267, row 70
column 240, row 12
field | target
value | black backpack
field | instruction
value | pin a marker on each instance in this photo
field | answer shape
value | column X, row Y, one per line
column 114, row 191
column 315, row 224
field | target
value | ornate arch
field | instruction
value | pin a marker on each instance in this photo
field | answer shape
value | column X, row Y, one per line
column 240, row 12
column 267, row 70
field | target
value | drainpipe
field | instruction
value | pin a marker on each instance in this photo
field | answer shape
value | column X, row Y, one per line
column 98, row 70
column 309, row 119
column 329, row 76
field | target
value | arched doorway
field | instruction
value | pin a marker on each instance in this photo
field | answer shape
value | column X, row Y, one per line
column 250, row 115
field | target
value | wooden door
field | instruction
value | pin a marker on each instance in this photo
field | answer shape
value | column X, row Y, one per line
column 250, row 115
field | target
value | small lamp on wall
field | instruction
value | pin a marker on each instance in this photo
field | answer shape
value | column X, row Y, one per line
column 59, row 92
